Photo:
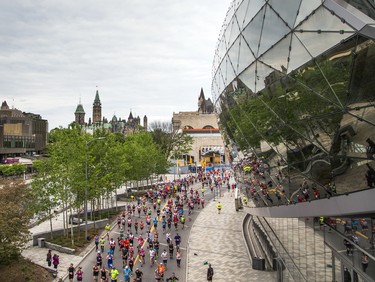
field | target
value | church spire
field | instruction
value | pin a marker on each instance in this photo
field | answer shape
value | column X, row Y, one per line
column 97, row 99
column 97, row 109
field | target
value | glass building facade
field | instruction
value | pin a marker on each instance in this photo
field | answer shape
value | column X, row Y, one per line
column 293, row 84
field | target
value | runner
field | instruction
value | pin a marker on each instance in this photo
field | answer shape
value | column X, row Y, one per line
column 114, row 274
column 178, row 258
column 142, row 254
column 79, row 274
column 219, row 206
column 172, row 278
column 177, row 239
column 95, row 272
column 71, row 272
column 109, row 260
column 127, row 274
column 182, row 221
column 164, row 257
column 103, row 275
column 108, row 229
column 96, row 242
column 161, row 270
column 99, row 259
column 171, row 249
column 152, row 254
column 136, row 226
column 141, row 226
column 138, row 275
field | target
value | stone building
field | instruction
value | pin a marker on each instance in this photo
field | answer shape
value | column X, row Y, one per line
column 202, row 126
column 116, row 124
column 21, row 133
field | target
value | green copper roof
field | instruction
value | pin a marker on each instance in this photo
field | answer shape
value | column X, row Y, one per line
column 97, row 99
column 79, row 109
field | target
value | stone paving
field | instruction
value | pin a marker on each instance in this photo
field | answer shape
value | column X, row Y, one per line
column 218, row 239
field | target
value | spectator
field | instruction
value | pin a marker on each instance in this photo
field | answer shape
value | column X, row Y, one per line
column 55, row 261
column 364, row 262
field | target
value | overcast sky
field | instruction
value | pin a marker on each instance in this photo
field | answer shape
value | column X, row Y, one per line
column 149, row 56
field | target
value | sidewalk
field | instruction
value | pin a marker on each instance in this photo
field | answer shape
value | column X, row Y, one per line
column 38, row 255
column 218, row 239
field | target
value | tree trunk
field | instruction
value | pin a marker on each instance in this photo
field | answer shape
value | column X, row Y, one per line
column 71, row 225
column 63, row 212
column 93, row 210
column 79, row 221
column 116, row 200
column 50, row 223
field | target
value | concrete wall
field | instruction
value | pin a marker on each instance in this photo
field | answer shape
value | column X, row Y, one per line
column 195, row 120
column 60, row 232
column 59, row 248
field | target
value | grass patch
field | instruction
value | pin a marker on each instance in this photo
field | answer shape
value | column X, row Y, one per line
column 80, row 242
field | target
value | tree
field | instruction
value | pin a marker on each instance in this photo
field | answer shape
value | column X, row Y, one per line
column 173, row 143
column 15, row 198
column 44, row 189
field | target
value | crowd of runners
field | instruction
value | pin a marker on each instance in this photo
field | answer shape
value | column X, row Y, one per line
column 144, row 231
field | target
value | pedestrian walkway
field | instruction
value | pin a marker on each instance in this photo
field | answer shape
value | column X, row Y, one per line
column 218, row 239
column 214, row 238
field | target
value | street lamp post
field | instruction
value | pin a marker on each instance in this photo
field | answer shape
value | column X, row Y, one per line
column 87, row 177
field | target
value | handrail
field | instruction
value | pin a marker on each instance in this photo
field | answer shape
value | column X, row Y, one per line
column 348, row 239
column 282, row 245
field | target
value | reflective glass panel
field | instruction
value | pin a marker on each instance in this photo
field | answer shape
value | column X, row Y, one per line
column 317, row 43
column 233, row 54
column 322, row 19
column 240, row 14
column 235, row 31
column 307, row 6
column 273, row 29
column 264, row 74
column 253, row 30
column 246, row 57
column 287, row 9
column 252, row 9
column 298, row 54
column 248, row 77
column 230, row 71
column 277, row 56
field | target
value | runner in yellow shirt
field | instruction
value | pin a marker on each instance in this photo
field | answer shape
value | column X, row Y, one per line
column 219, row 206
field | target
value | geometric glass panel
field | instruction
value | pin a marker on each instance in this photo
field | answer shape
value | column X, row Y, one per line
column 252, row 10
column 240, row 14
column 298, row 55
column 287, row 9
column 322, row 19
column 253, row 30
column 277, row 56
column 307, row 6
column 248, row 77
column 233, row 53
column 264, row 74
column 246, row 57
column 274, row 28
column 317, row 43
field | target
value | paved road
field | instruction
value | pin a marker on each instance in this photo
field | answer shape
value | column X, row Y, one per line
column 148, row 270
